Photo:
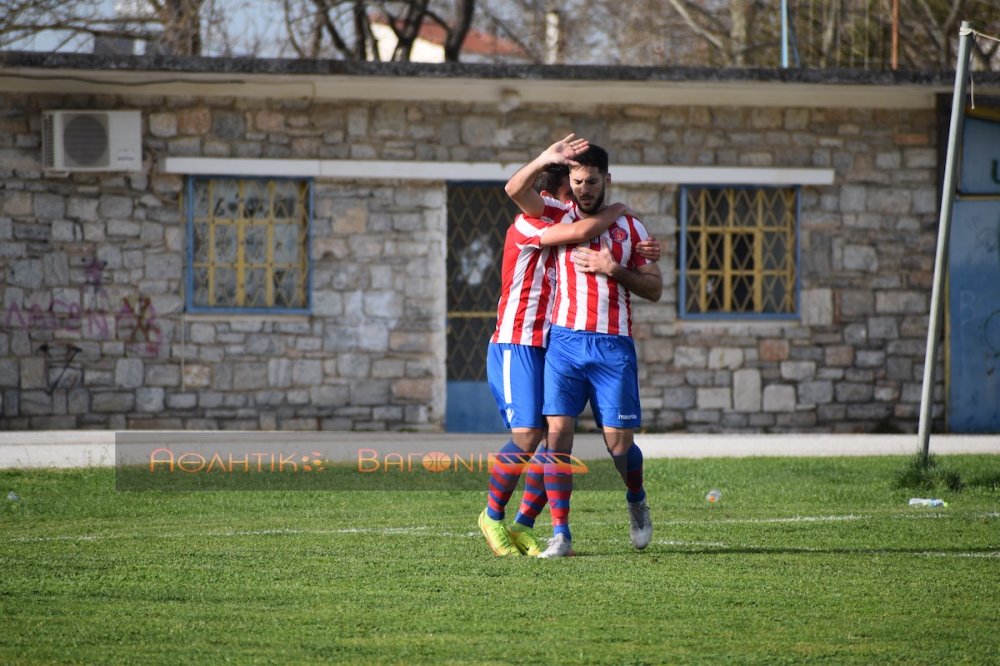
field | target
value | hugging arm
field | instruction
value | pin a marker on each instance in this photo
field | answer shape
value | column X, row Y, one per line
column 646, row 281
column 585, row 229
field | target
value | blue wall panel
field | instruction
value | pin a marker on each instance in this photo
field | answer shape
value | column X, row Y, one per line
column 980, row 172
column 472, row 408
column 974, row 309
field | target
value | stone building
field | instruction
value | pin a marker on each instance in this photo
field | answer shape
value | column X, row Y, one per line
column 313, row 245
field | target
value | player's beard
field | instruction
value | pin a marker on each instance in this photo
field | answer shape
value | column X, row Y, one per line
column 596, row 205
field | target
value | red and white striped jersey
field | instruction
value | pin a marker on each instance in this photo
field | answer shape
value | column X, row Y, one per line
column 593, row 301
column 528, row 277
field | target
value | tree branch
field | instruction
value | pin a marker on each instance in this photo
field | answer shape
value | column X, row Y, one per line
column 711, row 38
column 457, row 34
column 331, row 29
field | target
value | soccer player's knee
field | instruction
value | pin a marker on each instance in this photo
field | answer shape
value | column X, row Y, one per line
column 528, row 440
column 617, row 441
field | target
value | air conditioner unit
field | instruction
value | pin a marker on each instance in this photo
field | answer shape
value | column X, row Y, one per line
column 92, row 140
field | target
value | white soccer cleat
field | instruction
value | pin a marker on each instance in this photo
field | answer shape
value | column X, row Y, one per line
column 641, row 527
column 559, row 546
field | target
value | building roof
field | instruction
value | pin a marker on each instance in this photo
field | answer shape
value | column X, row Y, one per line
column 38, row 72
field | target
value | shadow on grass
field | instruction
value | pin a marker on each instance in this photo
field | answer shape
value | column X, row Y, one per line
column 987, row 481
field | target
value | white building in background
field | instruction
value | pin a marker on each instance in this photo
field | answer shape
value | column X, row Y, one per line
column 479, row 46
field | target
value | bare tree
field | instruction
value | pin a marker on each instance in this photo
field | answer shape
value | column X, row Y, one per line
column 520, row 21
column 936, row 23
column 639, row 32
column 705, row 24
column 181, row 25
column 722, row 33
column 345, row 28
column 839, row 33
column 175, row 27
column 22, row 19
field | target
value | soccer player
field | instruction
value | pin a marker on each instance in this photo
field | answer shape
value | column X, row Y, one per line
column 516, row 353
column 591, row 354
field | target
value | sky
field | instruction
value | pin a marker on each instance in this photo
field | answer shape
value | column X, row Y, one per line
column 244, row 18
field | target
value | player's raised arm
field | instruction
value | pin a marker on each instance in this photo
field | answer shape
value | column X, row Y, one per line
column 519, row 187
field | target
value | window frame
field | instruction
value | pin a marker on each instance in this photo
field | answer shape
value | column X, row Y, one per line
column 189, row 305
column 682, row 255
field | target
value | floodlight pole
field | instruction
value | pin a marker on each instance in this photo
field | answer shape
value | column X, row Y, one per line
column 944, row 230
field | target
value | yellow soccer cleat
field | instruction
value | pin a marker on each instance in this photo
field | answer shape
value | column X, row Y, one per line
column 524, row 540
column 497, row 537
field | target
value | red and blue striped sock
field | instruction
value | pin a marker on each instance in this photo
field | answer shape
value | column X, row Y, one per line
column 629, row 465
column 558, row 487
column 504, row 474
column 534, row 498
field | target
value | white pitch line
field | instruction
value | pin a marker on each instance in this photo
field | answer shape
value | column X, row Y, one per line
column 425, row 530
column 65, row 537
column 226, row 533
column 68, row 537
column 818, row 519
column 793, row 519
column 930, row 553
column 753, row 521
column 702, row 544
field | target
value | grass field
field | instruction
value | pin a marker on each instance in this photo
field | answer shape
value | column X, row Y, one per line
column 804, row 560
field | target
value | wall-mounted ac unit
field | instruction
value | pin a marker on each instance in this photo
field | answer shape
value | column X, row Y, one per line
column 92, row 140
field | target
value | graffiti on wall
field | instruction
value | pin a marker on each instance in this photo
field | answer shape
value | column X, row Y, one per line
column 61, row 357
column 131, row 319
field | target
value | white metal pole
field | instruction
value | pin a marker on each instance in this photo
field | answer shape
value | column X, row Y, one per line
column 944, row 229
column 784, row 34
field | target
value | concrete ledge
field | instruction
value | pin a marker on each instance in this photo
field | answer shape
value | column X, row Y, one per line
column 57, row 448
column 817, row 445
column 96, row 448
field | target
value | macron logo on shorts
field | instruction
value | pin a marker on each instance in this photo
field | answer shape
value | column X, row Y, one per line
column 628, row 417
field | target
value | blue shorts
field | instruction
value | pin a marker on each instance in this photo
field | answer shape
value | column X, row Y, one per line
column 581, row 366
column 515, row 376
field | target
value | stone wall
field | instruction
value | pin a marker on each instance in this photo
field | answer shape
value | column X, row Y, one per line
column 854, row 361
column 94, row 263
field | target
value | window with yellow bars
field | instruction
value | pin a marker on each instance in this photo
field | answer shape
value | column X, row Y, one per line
column 739, row 252
column 248, row 244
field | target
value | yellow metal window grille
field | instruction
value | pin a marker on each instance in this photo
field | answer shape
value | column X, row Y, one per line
column 250, row 241
column 740, row 250
column 478, row 217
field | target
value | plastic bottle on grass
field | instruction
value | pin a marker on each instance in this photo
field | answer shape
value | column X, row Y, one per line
column 922, row 501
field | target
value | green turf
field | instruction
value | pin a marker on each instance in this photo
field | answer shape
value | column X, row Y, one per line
column 804, row 560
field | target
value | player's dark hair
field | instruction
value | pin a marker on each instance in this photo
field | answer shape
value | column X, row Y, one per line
column 551, row 178
column 594, row 156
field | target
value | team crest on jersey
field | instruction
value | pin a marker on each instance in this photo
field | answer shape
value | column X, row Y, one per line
column 550, row 273
column 618, row 234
